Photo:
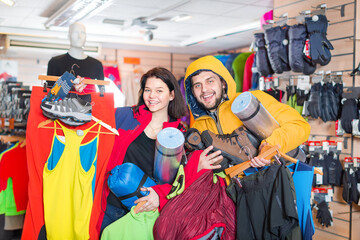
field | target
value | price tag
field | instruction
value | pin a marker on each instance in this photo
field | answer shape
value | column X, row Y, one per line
column 339, row 146
column 327, row 198
column 325, row 146
column 319, row 178
column 276, row 82
column 262, row 83
column 311, row 148
column 303, row 82
column 267, row 84
column 331, row 192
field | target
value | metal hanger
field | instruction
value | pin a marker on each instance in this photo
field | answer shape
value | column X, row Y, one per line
column 105, row 125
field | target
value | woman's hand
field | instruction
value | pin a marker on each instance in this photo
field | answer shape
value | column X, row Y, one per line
column 259, row 162
column 80, row 86
column 152, row 200
column 210, row 161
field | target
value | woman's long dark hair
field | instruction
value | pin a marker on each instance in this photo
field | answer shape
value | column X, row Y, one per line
column 176, row 107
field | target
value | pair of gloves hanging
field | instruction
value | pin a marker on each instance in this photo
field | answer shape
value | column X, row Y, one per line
column 296, row 98
column 350, row 111
column 324, row 101
column 318, row 46
column 281, row 48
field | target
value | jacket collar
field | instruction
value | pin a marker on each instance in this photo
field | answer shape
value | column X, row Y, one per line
column 173, row 122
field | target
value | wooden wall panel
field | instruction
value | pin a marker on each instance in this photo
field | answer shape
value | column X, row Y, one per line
column 342, row 46
column 338, row 63
column 347, row 29
column 340, row 33
column 148, row 60
column 334, row 14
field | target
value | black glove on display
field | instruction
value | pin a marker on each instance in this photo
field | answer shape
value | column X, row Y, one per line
column 326, row 111
column 316, row 162
column 297, row 37
column 262, row 60
column 337, row 91
column 290, row 96
column 309, row 66
column 319, row 45
column 284, row 48
column 346, row 186
column 350, row 192
column 354, row 190
column 301, row 97
column 333, row 101
column 349, row 112
column 323, row 214
column 335, row 169
column 273, row 42
column 276, row 93
column 314, row 106
column 357, row 175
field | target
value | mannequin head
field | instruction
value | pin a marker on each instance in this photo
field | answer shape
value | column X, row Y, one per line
column 77, row 35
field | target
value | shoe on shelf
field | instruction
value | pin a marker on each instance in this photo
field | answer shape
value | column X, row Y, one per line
column 237, row 147
column 75, row 108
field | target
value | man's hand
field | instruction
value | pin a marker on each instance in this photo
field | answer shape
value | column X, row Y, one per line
column 152, row 200
column 79, row 86
column 260, row 162
column 210, row 161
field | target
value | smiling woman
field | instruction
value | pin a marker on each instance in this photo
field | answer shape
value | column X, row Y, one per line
column 160, row 105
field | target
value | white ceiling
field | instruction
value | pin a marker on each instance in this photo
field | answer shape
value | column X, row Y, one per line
column 210, row 18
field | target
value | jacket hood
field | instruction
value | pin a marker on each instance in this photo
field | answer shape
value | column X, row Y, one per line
column 207, row 63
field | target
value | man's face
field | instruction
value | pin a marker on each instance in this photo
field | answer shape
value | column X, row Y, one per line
column 208, row 90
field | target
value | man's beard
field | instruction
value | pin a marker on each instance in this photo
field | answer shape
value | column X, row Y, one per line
column 217, row 102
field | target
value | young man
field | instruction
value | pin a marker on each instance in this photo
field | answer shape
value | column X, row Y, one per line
column 210, row 91
column 204, row 209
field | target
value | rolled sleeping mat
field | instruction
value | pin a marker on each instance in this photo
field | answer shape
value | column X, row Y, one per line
column 254, row 116
column 258, row 120
column 125, row 181
column 168, row 154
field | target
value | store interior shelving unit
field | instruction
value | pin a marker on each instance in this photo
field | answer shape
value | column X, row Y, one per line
column 344, row 34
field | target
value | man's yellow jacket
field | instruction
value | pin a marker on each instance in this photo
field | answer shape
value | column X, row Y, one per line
column 293, row 130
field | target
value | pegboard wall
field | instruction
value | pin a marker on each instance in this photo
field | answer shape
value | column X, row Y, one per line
column 343, row 32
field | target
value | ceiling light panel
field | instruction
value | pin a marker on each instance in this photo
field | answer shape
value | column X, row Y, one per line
column 74, row 11
column 181, row 17
column 10, row 3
